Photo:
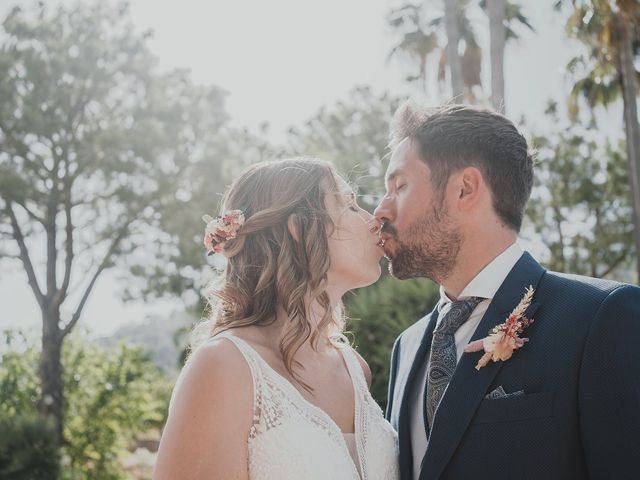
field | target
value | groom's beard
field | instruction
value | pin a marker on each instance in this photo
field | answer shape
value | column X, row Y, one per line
column 429, row 248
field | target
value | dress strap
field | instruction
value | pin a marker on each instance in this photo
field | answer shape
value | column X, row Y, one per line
column 247, row 352
column 353, row 364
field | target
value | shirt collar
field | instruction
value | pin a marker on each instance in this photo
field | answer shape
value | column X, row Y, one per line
column 486, row 283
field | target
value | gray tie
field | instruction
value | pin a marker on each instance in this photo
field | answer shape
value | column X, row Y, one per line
column 443, row 357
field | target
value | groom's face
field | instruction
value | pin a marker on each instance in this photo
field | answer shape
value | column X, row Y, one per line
column 420, row 238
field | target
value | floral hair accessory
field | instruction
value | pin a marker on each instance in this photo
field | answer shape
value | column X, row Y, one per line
column 503, row 339
column 221, row 229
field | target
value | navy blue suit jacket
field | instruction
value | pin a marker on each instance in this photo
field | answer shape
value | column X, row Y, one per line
column 579, row 417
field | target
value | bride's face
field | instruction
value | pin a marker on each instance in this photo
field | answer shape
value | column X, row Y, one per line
column 354, row 247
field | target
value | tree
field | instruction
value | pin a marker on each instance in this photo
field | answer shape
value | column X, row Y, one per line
column 112, row 396
column 452, row 12
column 610, row 30
column 502, row 17
column 580, row 202
column 93, row 145
column 426, row 31
column 498, row 36
column 424, row 34
column 417, row 43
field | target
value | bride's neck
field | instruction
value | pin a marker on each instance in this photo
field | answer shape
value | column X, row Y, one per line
column 279, row 329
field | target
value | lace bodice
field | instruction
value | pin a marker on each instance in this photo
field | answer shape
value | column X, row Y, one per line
column 290, row 438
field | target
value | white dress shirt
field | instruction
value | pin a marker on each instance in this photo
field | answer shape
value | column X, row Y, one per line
column 485, row 284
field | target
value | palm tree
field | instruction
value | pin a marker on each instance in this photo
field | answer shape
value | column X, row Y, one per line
column 452, row 13
column 422, row 38
column 611, row 31
column 471, row 57
column 502, row 16
column 417, row 43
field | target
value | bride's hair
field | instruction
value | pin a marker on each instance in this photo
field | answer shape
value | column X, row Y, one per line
column 268, row 266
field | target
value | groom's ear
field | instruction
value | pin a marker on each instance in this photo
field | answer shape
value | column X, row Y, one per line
column 470, row 187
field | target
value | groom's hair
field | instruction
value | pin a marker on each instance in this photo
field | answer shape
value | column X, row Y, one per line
column 453, row 137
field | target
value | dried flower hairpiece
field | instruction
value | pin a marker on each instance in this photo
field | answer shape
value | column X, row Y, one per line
column 221, row 229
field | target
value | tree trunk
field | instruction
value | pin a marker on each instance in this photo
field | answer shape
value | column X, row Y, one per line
column 632, row 127
column 453, row 58
column 50, row 404
column 496, row 10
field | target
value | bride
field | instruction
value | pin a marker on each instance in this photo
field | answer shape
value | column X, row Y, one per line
column 275, row 391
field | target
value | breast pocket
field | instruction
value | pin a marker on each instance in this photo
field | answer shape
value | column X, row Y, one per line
column 513, row 409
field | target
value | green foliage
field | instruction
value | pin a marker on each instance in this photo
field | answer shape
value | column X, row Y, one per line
column 514, row 17
column 117, row 395
column 19, row 390
column 27, row 449
column 111, row 396
column 378, row 314
column 580, row 205
column 96, row 140
column 596, row 72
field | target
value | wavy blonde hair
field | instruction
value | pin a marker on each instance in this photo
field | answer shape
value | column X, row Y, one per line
column 267, row 267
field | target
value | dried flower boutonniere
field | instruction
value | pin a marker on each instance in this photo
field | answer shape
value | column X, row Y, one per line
column 503, row 339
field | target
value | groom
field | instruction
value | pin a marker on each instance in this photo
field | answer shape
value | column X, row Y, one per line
column 566, row 404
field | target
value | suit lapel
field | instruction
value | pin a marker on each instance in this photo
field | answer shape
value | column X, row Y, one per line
column 468, row 385
column 404, row 429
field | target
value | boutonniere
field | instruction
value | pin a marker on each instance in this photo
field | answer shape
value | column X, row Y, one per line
column 503, row 339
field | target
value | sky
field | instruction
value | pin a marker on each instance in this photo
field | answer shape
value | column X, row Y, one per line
column 279, row 61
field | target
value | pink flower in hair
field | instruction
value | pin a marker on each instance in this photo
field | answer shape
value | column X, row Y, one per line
column 221, row 229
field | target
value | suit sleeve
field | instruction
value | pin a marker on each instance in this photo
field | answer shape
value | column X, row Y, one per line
column 609, row 392
column 395, row 354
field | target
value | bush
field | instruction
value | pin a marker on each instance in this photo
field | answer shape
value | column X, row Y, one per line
column 111, row 397
column 27, row 449
column 378, row 314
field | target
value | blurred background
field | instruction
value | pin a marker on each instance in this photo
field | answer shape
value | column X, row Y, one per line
column 122, row 123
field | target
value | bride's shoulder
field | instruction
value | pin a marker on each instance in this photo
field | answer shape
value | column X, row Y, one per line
column 219, row 357
column 215, row 367
column 212, row 404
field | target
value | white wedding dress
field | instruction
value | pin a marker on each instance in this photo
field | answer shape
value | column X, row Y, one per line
column 293, row 439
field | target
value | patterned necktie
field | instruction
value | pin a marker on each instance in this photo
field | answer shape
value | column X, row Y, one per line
column 443, row 357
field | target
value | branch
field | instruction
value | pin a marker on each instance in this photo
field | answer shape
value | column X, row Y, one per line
column 22, row 150
column 105, row 260
column 62, row 292
column 32, row 214
column 24, row 256
column 51, row 229
column 617, row 261
column 94, row 198
column 52, row 252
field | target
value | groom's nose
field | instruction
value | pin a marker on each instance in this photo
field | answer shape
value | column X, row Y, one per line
column 384, row 211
